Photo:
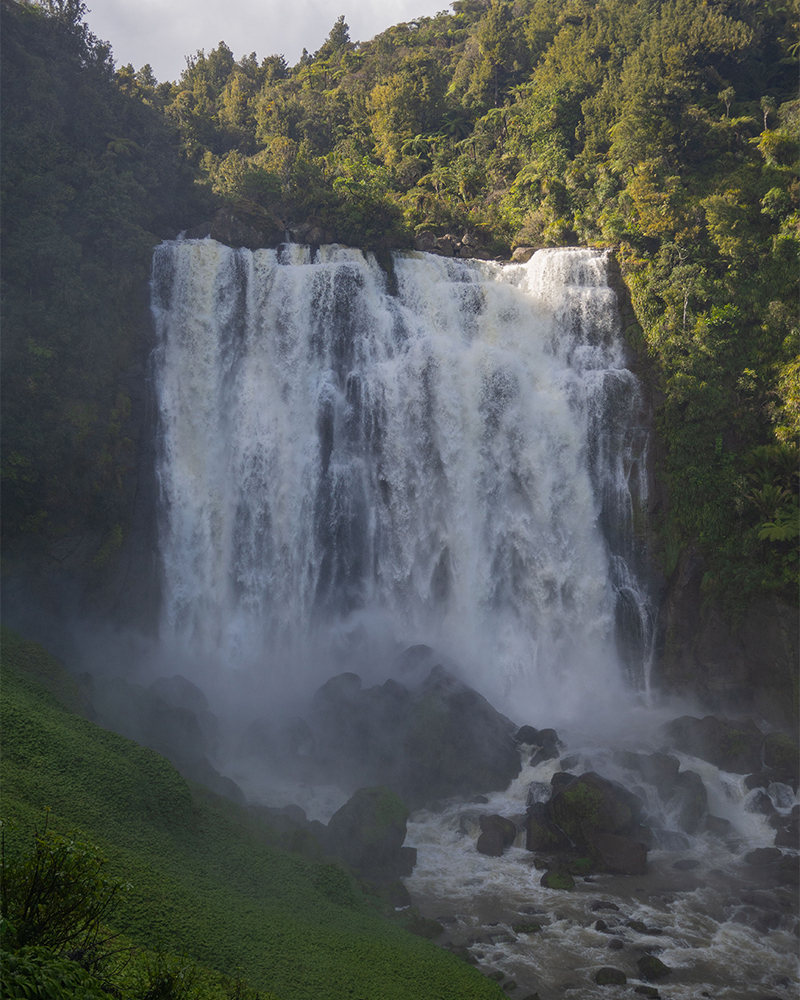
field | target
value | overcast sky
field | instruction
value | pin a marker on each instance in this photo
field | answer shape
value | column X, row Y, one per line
column 164, row 32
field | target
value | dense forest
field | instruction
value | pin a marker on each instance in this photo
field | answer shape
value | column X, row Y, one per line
column 664, row 129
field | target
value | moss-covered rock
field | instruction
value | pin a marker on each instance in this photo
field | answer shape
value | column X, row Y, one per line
column 369, row 829
column 556, row 879
column 652, row 968
column 609, row 976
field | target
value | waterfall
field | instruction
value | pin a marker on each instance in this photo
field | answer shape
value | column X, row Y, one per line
column 344, row 472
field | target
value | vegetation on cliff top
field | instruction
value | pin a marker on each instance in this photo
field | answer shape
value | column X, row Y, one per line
column 666, row 129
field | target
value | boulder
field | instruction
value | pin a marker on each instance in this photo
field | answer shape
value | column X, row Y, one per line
column 730, row 746
column 557, row 879
column 690, row 800
column 368, row 833
column 591, row 805
column 490, row 843
column 541, row 833
column 522, row 255
column 608, row 976
column 507, row 828
column 432, row 741
column 652, row 968
column 661, row 771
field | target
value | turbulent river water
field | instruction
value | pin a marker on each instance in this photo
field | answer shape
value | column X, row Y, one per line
column 345, row 471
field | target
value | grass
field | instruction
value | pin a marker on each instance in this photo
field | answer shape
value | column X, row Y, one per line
column 209, row 880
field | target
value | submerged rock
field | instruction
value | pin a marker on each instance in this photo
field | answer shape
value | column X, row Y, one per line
column 608, row 976
column 652, row 968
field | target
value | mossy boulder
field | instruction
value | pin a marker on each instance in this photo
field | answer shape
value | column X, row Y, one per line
column 369, row 830
column 730, row 746
column 556, row 879
column 652, row 968
column 608, row 976
column 591, row 805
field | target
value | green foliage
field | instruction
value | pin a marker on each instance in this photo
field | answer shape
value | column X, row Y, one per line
column 57, row 895
column 209, row 881
column 666, row 130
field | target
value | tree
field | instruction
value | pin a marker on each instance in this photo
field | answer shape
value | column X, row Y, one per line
column 57, row 895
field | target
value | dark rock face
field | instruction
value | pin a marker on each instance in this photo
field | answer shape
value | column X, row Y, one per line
column 246, row 225
column 750, row 667
column 436, row 740
column 368, row 833
column 450, row 245
column 731, row 746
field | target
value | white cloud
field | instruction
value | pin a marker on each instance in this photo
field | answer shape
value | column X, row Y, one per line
column 164, row 32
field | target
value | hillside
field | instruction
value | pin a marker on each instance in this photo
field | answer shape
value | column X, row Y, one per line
column 206, row 880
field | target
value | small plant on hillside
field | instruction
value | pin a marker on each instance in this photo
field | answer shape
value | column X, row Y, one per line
column 55, row 896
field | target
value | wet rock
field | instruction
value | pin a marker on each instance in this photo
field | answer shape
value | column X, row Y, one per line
column 555, row 879
column 591, row 805
column 782, row 753
column 647, row 991
column 522, row 255
column 731, row 746
column 718, row 826
column 686, row 864
column 652, row 968
column 490, row 843
column 561, row 779
column 532, row 927
column 661, row 771
column 368, row 832
column 601, row 925
column 788, row 834
column 506, row 828
column 541, row 834
column 763, row 856
column 437, row 740
column 789, row 869
column 602, row 904
column 691, row 799
column 616, row 944
column 761, row 803
column 538, row 791
column 637, row 925
column 618, row 854
column 608, row 976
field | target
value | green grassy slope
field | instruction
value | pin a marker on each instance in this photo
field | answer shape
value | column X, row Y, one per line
column 208, row 880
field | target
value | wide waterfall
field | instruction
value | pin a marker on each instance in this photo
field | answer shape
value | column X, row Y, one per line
column 345, row 471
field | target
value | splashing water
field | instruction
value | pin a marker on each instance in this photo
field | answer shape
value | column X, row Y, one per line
column 342, row 469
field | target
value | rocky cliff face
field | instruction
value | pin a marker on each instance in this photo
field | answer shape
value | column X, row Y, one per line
column 749, row 666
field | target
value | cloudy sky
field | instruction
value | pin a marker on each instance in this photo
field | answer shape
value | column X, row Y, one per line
column 164, row 32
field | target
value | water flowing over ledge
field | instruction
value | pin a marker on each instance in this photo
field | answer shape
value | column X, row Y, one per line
column 344, row 472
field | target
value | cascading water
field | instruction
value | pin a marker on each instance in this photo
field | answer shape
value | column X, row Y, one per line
column 457, row 465
column 345, row 472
